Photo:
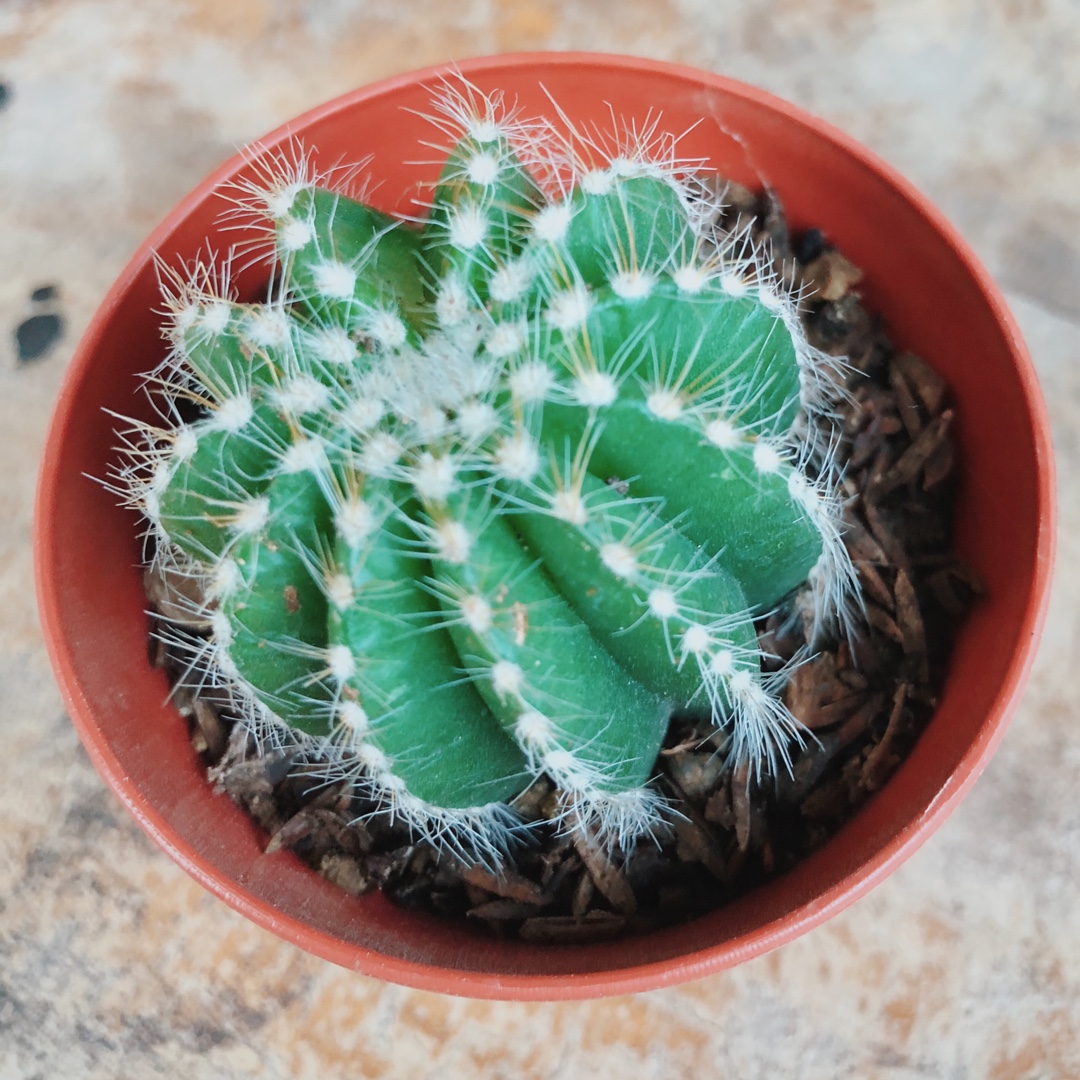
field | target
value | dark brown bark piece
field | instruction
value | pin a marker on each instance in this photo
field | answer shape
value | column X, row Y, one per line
column 927, row 384
column 571, row 929
column 506, row 883
column 864, row 700
column 606, row 876
column 345, row 872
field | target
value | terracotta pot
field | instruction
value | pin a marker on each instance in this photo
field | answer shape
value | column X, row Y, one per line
column 920, row 277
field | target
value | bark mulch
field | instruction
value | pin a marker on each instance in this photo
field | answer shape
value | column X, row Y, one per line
column 865, row 701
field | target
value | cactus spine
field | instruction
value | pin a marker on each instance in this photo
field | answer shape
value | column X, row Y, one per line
column 396, row 491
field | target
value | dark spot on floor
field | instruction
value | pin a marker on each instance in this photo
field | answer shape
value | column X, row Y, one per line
column 35, row 336
column 91, row 814
column 43, row 293
column 5, row 95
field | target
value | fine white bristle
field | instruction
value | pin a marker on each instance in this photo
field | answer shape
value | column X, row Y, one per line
column 507, row 678
column 380, row 455
column 388, row 329
column 476, row 420
column 534, row 730
column 185, row 443
column 695, row 639
column 373, row 759
column 452, row 302
column 302, row 395
column 505, row 339
column 598, row 181
column 633, row 284
column 304, row 455
column 225, row 580
column 267, row 328
column 333, row 345
column 363, row 413
column 722, row 662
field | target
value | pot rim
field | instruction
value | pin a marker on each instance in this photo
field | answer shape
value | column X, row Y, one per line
column 623, row 980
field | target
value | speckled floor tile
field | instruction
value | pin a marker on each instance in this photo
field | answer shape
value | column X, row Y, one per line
column 965, row 963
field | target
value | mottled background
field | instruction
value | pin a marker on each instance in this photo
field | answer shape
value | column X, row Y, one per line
column 966, row 963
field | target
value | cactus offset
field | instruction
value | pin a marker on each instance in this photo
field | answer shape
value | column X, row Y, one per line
column 397, row 495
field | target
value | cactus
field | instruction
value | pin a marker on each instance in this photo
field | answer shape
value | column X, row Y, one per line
column 491, row 496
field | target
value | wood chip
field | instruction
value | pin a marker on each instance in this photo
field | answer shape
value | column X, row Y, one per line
column 583, row 894
column 696, row 842
column 571, row 929
column 874, row 585
column 927, row 384
column 881, row 760
column 718, row 809
column 384, row 868
column 210, row 727
column 793, row 787
column 816, row 696
column 176, row 596
column 695, row 773
column 910, row 621
column 830, row 276
column 503, row 910
column 911, row 463
column 724, row 834
column 506, row 883
column 894, row 552
column 907, row 407
column 880, row 620
column 939, row 466
column 346, row 873
column 607, row 877
column 740, row 805
column 255, row 776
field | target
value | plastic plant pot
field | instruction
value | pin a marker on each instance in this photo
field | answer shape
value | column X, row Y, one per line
column 920, row 278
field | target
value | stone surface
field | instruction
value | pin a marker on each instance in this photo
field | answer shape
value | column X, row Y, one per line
column 965, row 963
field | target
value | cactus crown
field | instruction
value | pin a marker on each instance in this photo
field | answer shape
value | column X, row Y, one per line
column 492, row 496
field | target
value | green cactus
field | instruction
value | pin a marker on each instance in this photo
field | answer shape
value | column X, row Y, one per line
column 493, row 496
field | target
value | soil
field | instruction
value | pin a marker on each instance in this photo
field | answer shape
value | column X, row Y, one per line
column 864, row 700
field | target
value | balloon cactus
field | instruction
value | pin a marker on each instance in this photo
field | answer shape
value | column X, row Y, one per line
column 492, row 495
